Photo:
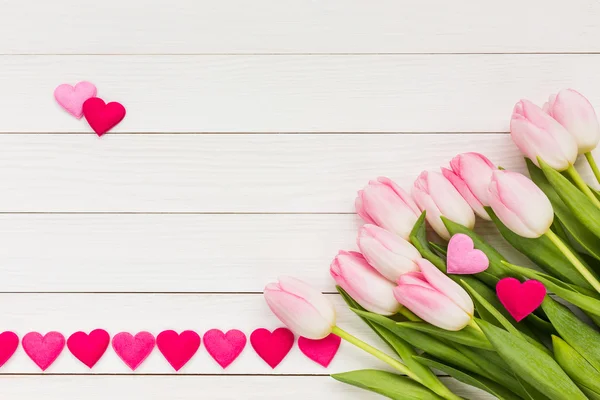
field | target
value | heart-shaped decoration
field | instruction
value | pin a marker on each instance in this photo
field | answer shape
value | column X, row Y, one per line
column 178, row 349
column 133, row 350
column 520, row 299
column 9, row 341
column 72, row 98
column 463, row 258
column 320, row 351
column 224, row 347
column 43, row 350
column 102, row 117
column 272, row 347
column 89, row 348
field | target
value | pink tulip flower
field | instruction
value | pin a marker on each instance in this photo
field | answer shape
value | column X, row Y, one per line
column 435, row 298
column 537, row 134
column 363, row 283
column 577, row 115
column 385, row 204
column 302, row 308
column 520, row 204
column 470, row 174
column 435, row 194
column 389, row 254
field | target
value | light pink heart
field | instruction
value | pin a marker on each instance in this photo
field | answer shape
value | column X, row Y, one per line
column 224, row 347
column 72, row 98
column 463, row 258
column 133, row 350
column 43, row 350
column 320, row 351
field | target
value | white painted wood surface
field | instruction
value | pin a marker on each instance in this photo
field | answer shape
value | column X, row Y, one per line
column 250, row 127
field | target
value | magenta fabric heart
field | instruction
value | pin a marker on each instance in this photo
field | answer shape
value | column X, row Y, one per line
column 520, row 299
column 272, row 347
column 9, row 341
column 224, row 347
column 463, row 258
column 133, row 350
column 43, row 350
column 320, row 351
column 178, row 349
column 72, row 98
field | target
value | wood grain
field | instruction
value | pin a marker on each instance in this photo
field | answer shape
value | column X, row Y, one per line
column 189, row 387
column 279, row 93
column 176, row 253
column 296, row 26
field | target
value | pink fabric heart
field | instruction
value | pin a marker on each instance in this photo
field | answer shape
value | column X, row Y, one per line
column 272, row 347
column 320, row 351
column 178, row 349
column 520, row 299
column 224, row 347
column 89, row 348
column 133, row 350
column 9, row 341
column 72, row 98
column 463, row 258
column 43, row 350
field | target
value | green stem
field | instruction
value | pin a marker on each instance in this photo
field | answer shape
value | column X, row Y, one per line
column 593, row 165
column 582, row 185
column 377, row 353
column 573, row 259
column 409, row 314
column 474, row 325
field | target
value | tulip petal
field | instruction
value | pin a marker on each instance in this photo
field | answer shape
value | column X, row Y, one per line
column 446, row 286
column 310, row 295
column 465, row 192
column 432, row 306
column 360, row 208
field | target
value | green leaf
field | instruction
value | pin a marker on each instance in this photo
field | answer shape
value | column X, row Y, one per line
column 572, row 294
column 418, row 238
column 404, row 350
column 440, row 250
column 422, row 341
column 393, row 386
column 505, row 322
column 582, row 208
column 578, row 231
column 531, row 364
column 496, row 268
column 577, row 367
column 467, row 336
column 542, row 252
column 470, row 378
column 582, row 337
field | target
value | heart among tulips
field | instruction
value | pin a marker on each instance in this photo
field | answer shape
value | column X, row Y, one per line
column 461, row 307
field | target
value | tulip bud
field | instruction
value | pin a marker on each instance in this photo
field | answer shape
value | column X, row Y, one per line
column 302, row 308
column 577, row 115
column 537, row 134
column 520, row 204
column 436, row 195
column 385, row 204
column 389, row 254
column 435, row 298
column 363, row 283
column 471, row 174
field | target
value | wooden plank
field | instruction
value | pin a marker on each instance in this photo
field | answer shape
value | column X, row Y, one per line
column 68, row 313
column 217, row 173
column 271, row 26
column 188, row 388
column 344, row 93
column 220, row 173
column 176, row 253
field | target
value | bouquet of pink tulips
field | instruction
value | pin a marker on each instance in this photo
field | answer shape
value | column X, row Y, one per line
column 472, row 314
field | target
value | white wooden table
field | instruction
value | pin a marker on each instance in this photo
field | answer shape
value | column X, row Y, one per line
column 250, row 127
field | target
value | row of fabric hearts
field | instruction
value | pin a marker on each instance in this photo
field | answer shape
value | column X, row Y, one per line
column 80, row 100
column 177, row 349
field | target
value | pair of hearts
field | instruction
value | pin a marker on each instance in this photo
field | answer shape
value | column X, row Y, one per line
column 272, row 347
column 519, row 299
column 81, row 100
